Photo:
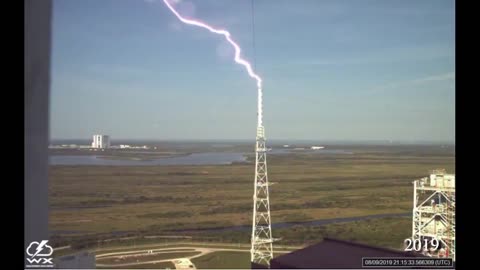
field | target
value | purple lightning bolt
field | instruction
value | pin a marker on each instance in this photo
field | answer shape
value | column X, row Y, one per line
column 238, row 59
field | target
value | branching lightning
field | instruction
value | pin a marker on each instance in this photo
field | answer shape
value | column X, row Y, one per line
column 238, row 59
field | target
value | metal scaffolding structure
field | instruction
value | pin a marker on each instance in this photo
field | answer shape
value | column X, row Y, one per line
column 434, row 213
column 262, row 247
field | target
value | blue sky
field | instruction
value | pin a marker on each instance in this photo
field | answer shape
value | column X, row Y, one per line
column 332, row 70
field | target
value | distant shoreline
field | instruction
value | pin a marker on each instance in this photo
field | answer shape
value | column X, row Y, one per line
column 250, row 141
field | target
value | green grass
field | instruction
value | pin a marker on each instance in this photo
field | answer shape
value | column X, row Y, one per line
column 63, row 252
column 154, row 200
column 223, row 260
column 139, row 250
column 383, row 232
column 161, row 265
column 145, row 257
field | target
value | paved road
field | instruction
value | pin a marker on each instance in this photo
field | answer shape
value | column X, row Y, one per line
column 202, row 251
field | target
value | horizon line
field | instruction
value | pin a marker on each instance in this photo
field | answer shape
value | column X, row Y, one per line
column 272, row 139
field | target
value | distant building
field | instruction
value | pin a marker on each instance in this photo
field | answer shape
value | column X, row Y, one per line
column 317, row 147
column 101, row 141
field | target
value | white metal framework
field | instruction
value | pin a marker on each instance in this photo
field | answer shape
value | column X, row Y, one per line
column 434, row 212
column 262, row 247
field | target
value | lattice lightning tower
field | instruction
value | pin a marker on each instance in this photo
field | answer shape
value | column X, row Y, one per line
column 262, row 247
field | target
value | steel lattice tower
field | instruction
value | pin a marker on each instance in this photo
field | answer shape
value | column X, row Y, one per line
column 434, row 211
column 262, row 247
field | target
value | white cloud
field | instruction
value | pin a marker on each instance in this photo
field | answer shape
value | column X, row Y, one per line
column 441, row 77
column 433, row 78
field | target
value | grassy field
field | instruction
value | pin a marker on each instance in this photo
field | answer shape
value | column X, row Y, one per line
column 160, row 265
column 386, row 232
column 223, row 260
column 142, row 257
column 101, row 202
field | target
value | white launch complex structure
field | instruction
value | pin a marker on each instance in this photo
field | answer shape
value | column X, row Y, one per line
column 262, row 247
column 434, row 211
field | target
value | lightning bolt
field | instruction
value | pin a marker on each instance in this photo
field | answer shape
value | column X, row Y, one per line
column 238, row 59
column 40, row 247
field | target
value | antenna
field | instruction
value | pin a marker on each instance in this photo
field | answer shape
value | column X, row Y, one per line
column 261, row 250
column 262, row 242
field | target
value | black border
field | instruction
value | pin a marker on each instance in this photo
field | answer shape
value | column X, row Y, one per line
column 464, row 116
